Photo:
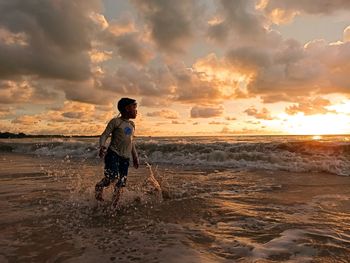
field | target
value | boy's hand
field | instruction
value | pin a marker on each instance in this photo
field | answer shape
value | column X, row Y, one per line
column 102, row 151
column 135, row 162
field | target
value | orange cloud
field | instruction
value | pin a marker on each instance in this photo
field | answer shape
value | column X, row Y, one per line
column 293, row 70
column 313, row 106
column 206, row 112
column 10, row 38
column 100, row 56
column 167, row 114
column 15, row 92
column 263, row 114
column 6, row 112
column 122, row 26
column 26, row 120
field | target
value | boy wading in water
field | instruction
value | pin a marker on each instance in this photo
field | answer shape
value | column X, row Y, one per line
column 116, row 156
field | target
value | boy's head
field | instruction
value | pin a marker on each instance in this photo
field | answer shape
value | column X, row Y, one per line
column 127, row 108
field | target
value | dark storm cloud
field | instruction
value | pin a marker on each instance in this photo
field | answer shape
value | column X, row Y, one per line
column 170, row 22
column 238, row 17
column 173, row 82
column 87, row 92
column 130, row 47
column 147, row 81
column 56, row 38
column 129, row 43
column 249, row 58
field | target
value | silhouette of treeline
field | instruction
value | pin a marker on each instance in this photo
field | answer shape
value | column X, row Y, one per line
column 10, row 135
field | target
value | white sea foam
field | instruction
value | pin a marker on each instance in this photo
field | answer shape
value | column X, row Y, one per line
column 288, row 243
column 293, row 155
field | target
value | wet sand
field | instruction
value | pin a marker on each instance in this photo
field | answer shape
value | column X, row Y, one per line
column 48, row 214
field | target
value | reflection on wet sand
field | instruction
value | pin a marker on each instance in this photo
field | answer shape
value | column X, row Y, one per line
column 205, row 215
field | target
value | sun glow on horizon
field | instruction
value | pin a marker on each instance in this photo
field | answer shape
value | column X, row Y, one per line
column 317, row 124
column 316, row 137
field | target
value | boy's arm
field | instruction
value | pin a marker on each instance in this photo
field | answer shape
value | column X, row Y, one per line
column 135, row 158
column 104, row 136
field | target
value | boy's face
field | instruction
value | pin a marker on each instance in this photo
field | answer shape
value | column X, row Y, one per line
column 131, row 110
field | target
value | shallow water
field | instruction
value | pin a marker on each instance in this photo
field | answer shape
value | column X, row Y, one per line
column 48, row 214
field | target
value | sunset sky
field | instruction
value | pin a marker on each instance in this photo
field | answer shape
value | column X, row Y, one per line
column 196, row 67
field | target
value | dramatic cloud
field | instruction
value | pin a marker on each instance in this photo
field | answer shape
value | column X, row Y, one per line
column 170, row 22
column 128, row 42
column 239, row 17
column 84, row 57
column 263, row 114
column 70, row 118
column 77, row 111
column 130, row 47
column 294, row 70
column 167, row 114
column 283, row 11
column 89, row 91
column 209, row 81
column 46, row 38
column 206, row 112
column 26, row 90
column 191, row 87
column 204, row 83
column 147, row 81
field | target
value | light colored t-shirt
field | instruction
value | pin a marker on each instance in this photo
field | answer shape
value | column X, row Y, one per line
column 122, row 131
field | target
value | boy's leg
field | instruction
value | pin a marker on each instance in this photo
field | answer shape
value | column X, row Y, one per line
column 116, row 196
column 123, row 166
column 99, row 188
column 110, row 171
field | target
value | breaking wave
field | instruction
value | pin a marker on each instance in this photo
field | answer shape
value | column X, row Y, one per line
column 298, row 155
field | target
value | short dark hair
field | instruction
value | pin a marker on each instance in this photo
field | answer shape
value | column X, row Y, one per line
column 123, row 102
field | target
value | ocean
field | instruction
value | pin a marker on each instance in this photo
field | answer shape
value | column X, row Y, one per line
column 219, row 199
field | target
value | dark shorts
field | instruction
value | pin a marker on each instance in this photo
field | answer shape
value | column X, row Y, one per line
column 116, row 167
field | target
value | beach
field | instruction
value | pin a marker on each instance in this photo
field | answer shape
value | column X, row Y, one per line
column 244, row 199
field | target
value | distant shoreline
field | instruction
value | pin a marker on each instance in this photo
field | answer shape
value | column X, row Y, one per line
column 10, row 135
